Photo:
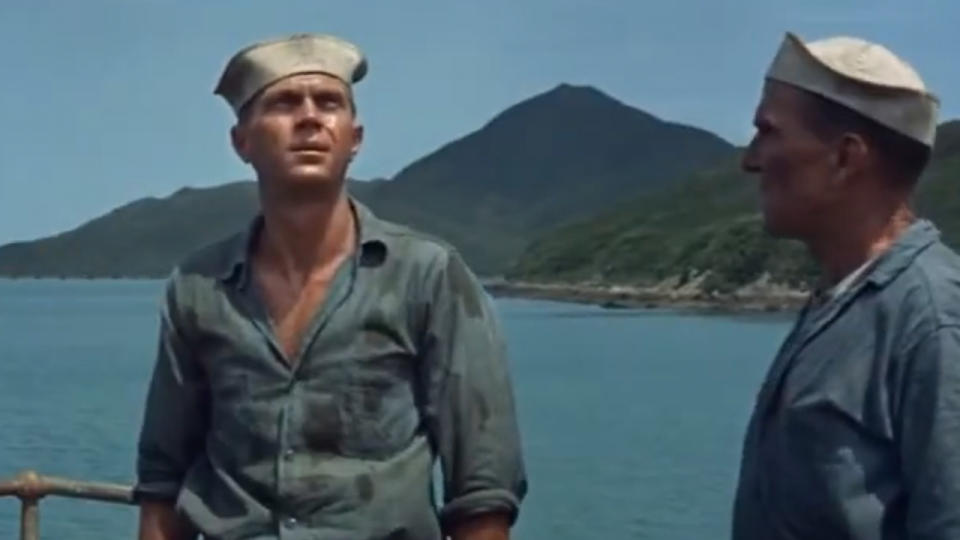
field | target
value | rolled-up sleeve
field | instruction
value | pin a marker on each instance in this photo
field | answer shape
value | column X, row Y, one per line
column 470, row 404
column 174, row 420
column 929, row 422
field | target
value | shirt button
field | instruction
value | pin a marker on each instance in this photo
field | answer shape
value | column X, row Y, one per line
column 290, row 523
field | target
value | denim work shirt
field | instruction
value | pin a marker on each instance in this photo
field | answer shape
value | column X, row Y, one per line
column 856, row 431
column 403, row 362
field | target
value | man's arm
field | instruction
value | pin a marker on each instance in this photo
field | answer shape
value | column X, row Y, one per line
column 174, row 426
column 470, row 407
column 929, row 422
column 483, row 527
column 159, row 520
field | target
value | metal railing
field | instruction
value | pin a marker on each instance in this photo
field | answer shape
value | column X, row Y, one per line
column 30, row 487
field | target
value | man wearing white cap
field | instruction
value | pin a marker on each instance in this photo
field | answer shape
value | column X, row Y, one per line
column 312, row 368
column 856, row 429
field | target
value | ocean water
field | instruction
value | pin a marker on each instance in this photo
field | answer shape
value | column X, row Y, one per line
column 632, row 420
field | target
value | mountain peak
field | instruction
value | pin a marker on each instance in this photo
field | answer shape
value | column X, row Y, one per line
column 571, row 105
column 567, row 89
column 566, row 94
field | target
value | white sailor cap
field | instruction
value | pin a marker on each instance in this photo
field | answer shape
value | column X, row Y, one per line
column 255, row 67
column 862, row 76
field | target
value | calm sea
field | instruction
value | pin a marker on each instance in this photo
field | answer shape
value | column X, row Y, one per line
column 632, row 420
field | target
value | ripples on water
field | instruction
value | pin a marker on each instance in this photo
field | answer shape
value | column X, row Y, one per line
column 631, row 420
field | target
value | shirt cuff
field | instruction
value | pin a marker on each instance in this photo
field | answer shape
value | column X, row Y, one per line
column 487, row 501
column 156, row 491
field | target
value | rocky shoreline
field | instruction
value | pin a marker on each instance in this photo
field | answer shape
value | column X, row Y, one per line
column 759, row 296
column 756, row 297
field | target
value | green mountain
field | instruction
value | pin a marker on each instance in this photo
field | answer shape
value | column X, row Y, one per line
column 138, row 239
column 708, row 226
column 555, row 158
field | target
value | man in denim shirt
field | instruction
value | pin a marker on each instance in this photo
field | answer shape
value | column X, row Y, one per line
column 856, row 430
column 311, row 368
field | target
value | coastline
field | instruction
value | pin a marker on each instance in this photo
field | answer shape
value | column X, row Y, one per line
column 750, row 299
column 758, row 297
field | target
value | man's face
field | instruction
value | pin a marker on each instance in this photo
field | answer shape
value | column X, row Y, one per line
column 300, row 132
column 795, row 166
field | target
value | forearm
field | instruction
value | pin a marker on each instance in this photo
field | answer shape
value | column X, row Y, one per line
column 484, row 527
column 159, row 520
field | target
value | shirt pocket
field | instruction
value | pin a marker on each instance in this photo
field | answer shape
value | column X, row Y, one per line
column 810, row 453
column 829, row 454
column 819, row 430
column 377, row 408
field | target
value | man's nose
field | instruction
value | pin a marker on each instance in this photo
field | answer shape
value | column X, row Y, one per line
column 308, row 114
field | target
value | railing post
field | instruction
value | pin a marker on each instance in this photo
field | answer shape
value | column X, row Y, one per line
column 30, row 487
column 29, row 519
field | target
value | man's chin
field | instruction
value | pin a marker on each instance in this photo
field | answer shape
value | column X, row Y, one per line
column 778, row 229
column 311, row 176
column 307, row 184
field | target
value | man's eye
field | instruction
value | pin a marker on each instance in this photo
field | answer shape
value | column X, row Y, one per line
column 329, row 104
column 283, row 102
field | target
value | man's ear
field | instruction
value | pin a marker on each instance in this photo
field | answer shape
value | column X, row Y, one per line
column 852, row 156
column 238, row 138
column 357, row 139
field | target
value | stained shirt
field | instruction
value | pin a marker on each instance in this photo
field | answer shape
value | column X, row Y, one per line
column 856, row 429
column 403, row 365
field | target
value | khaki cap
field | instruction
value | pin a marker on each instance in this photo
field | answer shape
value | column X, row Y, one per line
column 255, row 67
column 862, row 76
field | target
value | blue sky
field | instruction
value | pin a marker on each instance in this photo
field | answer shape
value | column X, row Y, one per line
column 106, row 101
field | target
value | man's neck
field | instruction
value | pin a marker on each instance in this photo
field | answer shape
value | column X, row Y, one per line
column 857, row 240
column 304, row 237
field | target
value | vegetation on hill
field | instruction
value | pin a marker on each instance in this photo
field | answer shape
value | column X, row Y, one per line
column 708, row 226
